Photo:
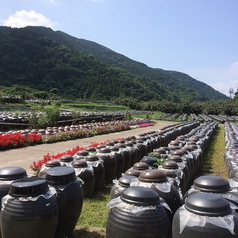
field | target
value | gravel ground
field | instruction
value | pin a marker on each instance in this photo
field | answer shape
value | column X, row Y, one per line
column 23, row 157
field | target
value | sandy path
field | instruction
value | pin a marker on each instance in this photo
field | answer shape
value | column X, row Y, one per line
column 23, row 157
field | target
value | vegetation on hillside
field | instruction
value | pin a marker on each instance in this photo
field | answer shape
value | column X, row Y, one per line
column 61, row 64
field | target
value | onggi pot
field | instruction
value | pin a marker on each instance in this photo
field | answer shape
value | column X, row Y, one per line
column 69, row 193
column 205, row 215
column 120, row 185
column 7, row 176
column 137, row 213
column 30, row 210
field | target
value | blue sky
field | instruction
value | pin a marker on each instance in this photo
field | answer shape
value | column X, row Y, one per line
column 196, row 37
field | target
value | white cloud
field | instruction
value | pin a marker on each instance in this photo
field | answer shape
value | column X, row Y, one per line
column 28, row 18
column 230, row 80
column 224, row 87
column 233, row 70
column 221, row 79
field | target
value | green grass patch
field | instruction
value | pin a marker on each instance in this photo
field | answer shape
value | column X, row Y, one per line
column 213, row 158
column 95, row 212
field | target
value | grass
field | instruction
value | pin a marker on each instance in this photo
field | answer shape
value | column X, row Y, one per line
column 92, row 222
column 213, row 159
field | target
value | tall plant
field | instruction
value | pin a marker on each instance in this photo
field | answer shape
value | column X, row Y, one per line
column 49, row 117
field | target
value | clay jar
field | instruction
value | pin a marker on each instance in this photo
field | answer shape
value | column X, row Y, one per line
column 110, row 163
column 213, row 184
column 66, row 160
column 30, row 210
column 49, row 164
column 158, row 181
column 204, row 215
column 98, row 169
column 69, row 194
column 127, row 156
column 133, row 152
column 120, row 160
column 173, row 166
column 137, row 213
column 120, row 185
column 183, row 165
column 85, row 172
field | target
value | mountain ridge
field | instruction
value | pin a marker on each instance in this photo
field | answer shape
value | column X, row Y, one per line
column 170, row 85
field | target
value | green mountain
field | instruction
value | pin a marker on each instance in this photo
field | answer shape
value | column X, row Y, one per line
column 45, row 59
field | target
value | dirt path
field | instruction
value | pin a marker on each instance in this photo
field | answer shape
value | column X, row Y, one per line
column 23, row 157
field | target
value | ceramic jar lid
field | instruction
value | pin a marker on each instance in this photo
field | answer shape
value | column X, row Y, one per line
column 60, row 175
column 140, row 196
column 153, row 176
column 28, row 187
column 12, row 173
column 211, row 183
column 207, row 204
column 66, row 158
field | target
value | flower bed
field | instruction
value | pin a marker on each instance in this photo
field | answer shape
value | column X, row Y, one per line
column 17, row 140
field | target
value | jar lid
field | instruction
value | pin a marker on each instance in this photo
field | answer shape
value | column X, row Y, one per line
column 28, row 187
column 110, row 144
column 140, row 166
column 211, row 183
column 91, row 149
column 115, row 148
column 129, row 144
column 100, row 147
column 175, row 158
column 52, row 163
column 83, row 152
column 105, row 150
column 160, row 150
column 207, row 204
column 125, row 180
column 60, row 175
column 140, row 196
column 133, row 172
column 79, row 164
column 12, row 173
column 149, row 160
column 170, row 165
column 153, row 176
column 121, row 146
column 188, row 148
column 92, row 158
column 66, row 158
column 177, row 152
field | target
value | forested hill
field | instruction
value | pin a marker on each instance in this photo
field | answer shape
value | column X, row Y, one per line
column 44, row 59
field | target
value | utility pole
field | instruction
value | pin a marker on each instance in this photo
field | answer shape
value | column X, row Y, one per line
column 231, row 91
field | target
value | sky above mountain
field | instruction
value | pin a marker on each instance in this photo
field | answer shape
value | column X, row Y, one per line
column 196, row 37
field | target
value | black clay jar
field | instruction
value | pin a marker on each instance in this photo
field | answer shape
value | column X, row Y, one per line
column 30, row 210
column 149, row 220
column 158, row 181
column 69, row 193
column 204, row 215
column 110, row 163
column 49, row 164
column 98, row 169
column 7, row 176
column 120, row 185
column 213, row 184
column 86, row 173
column 66, row 160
